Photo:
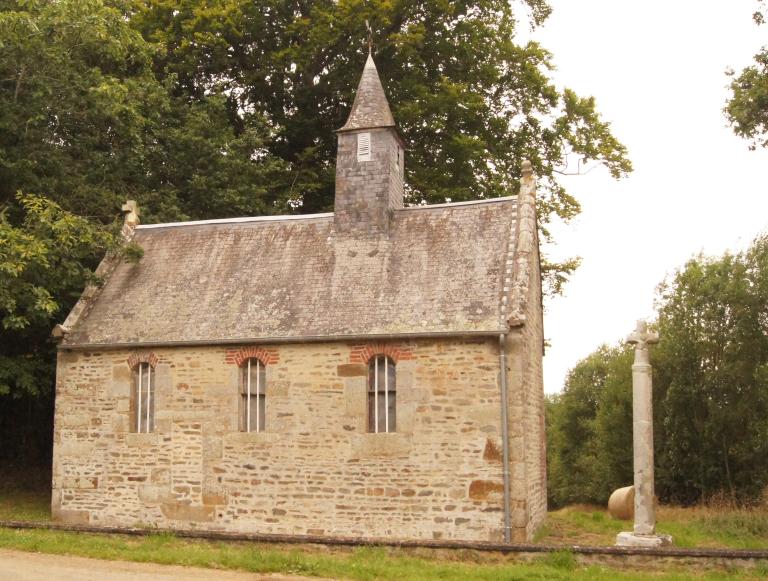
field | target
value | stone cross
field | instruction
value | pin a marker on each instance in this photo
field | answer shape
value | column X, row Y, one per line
column 131, row 211
column 644, row 533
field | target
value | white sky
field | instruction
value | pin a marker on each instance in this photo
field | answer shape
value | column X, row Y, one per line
column 657, row 70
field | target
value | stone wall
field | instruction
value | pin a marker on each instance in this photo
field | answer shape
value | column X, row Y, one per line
column 533, row 387
column 315, row 470
column 526, row 417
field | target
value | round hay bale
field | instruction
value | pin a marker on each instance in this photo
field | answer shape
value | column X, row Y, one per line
column 621, row 504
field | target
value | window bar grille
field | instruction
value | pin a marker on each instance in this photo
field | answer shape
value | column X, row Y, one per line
column 258, row 395
column 386, row 394
column 376, row 395
column 248, row 400
column 149, row 396
column 138, row 398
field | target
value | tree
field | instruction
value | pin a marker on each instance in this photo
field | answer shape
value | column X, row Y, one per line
column 713, row 377
column 710, row 394
column 45, row 261
column 747, row 109
column 85, row 121
column 590, row 429
column 470, row 101
column 85, row 124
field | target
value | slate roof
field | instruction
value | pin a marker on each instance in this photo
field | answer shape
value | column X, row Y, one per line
column 441, row 270
column 370, row 108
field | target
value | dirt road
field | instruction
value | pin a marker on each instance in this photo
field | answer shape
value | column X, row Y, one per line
column 19, row 566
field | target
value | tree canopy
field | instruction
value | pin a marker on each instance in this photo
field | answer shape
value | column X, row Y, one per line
column 747, row 108
column 710, row 393
column 470, row 101
column 86, row 122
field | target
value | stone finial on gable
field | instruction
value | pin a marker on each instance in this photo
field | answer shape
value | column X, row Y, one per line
column 131, row 211
column 527, row 168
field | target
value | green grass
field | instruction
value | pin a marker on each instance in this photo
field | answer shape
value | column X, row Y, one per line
column 700, row 527
column 363, row 564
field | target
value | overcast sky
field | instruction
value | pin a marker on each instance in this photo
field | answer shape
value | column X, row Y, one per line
column 657, row 69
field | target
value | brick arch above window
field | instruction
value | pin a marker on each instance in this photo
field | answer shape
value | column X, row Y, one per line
column 240, row 356
column 145, row 357
column 362, row 353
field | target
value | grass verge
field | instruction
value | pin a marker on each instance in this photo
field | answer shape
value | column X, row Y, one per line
column 360, row 564
column 699, row 527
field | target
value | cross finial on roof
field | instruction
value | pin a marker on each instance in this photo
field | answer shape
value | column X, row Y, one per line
column 370, row 37
column 131, row 211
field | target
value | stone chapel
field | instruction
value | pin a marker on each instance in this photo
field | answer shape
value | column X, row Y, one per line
column 372, row 372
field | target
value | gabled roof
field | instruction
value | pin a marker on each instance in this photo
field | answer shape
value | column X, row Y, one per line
column 441, row 270
column 370, row 108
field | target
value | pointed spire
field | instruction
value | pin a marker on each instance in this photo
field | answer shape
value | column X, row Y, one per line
column 370, row 108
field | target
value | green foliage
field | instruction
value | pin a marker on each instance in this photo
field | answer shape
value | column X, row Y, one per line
column 710, row 394
column 589, row 448
column 85, row 121
column 564, row 560
column 470, row 101
column 132, row 252
column 44, row 263
column 44, row 260
column 747, row 109
column 77, row 102
column 712, row 380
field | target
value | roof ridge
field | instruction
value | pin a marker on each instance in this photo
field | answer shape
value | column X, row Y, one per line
column 282, row 217
column 454, row 204
column 246, row 219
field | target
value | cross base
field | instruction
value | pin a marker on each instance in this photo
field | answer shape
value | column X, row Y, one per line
column 646, row 541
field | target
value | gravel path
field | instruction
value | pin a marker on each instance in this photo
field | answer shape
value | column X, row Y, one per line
column 20, row 566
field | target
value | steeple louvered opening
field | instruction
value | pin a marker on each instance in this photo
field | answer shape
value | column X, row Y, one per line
column 364, row 147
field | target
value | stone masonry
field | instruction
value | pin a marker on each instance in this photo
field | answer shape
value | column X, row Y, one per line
column 315, row 470
column 440, row 290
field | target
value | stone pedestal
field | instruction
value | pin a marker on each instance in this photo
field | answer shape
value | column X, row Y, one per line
column 647, row 541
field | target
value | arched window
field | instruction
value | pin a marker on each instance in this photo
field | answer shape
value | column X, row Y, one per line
column 253, row 399
column 143, row 398
column 382, row 410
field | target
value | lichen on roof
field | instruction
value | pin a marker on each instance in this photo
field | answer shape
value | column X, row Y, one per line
column 439, row 270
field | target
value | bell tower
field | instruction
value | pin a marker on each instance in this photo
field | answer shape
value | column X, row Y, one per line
column 369, row 162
